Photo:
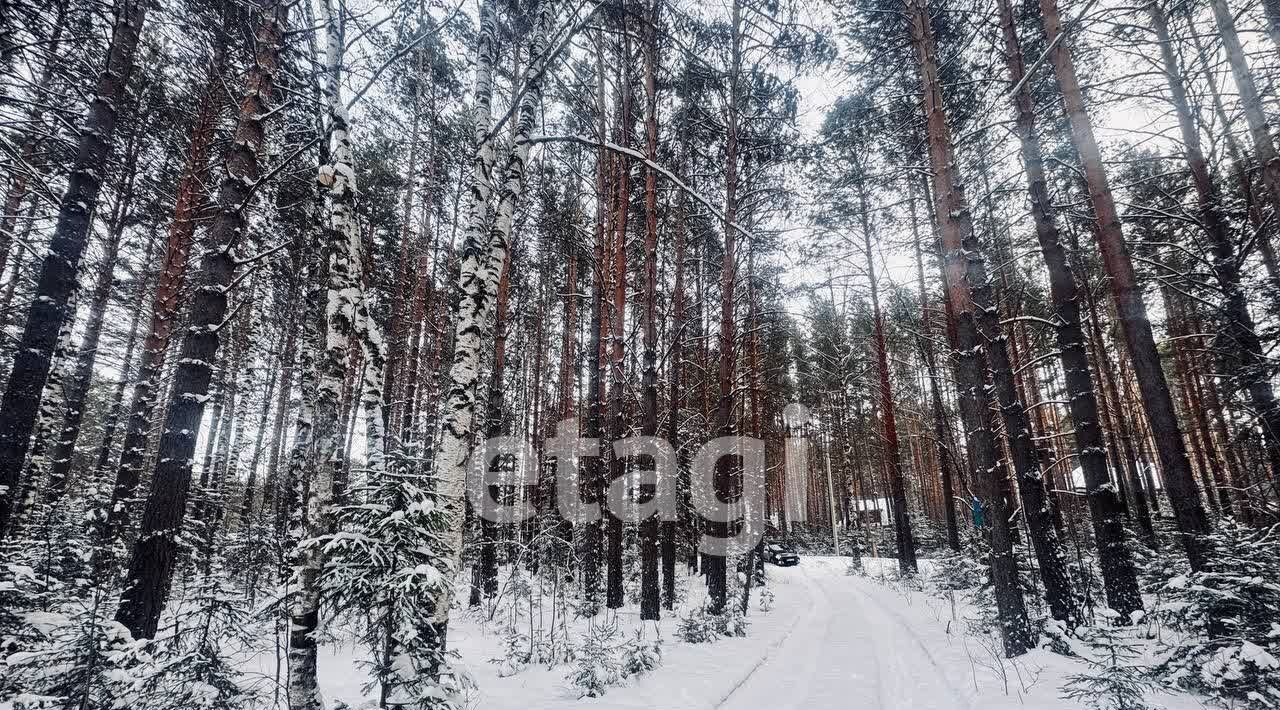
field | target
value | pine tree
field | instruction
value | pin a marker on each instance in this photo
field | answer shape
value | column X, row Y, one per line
column 59, row 269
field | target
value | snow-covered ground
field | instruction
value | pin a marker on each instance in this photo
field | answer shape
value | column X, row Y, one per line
column 829, row 641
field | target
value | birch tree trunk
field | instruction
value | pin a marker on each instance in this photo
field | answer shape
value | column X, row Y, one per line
column 344, row 309
column 483, row 253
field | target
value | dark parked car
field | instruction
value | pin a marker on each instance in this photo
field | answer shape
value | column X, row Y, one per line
column 780, row 555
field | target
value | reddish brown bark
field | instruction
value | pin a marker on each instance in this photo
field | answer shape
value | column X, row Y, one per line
column 1130, row 307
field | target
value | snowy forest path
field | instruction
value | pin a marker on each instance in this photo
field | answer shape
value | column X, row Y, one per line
column 851, row 646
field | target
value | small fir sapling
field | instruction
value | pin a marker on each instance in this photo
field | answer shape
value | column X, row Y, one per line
column 1113, row 680
column 640, row 655
column 597, row 666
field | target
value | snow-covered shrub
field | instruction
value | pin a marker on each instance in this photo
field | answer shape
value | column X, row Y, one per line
column 958, row 571
column 597, row 666
column 1113, row 680
column 84, row 659
column 1227, row 615
column 191, row 664
column 23, row 596
column 732, row 622
column 454, row 684
column 516, row 653
column 855, row 568
column 640, row 655
column 698, row 626
column 1153, row 568
column 702, row 626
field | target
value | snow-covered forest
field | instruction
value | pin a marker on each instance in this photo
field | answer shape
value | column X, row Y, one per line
column 639, row 353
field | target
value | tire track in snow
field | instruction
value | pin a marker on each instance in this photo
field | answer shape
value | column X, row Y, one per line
column 901, row 628
column 784, row 649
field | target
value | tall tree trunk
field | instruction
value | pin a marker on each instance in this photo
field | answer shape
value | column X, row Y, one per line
column 59, row 269
column 1250, row 102
column 82, row 379
column 53, row 398
column 406, row 277
column 939, row 412
column 725, row 483
column 289, row 362
column 649, row 595
column 164, row 304
column 892, row 453
column 20, row 178
column 155, row 553
column 1119, row 577
column 593, row 534
column 487, row 566
column 1241, row 350
column 252, row 495
column 614, row 591
column 116, row 406
column 962, row 275
column 1130, row 308
column 675, row 383
column 343, row 318
column 483, row 254
column 1240, row 170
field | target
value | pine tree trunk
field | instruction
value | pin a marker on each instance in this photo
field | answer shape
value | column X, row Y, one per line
column 1250, row 102
column 671, row 528
column 1119, row 577
column 52, row 405
column 1130, row 308
column 621, row 210
column 59, row 269
column 78, row 390
column 270, row 496
column 116, row 406
column 725, row 479
column 962, row 274
column 1240, row 347
column 939, row 412
column 164, row 305
column 892, row 454
column 650, row 608
column 593, row 534
column 406, row 278
column 19, row 180
column 252, row 495
column 155, row 553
